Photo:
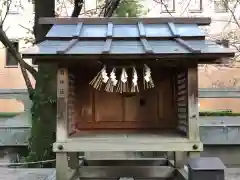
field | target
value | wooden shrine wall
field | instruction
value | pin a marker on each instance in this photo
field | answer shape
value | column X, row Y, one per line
column 71, row 102
column 150, row 109
column 181, row 99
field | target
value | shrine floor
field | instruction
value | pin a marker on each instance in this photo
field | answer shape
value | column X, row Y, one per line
column 49, row 174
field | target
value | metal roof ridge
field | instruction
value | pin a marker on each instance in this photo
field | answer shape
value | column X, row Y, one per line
column 124, row 20
column 159, row 38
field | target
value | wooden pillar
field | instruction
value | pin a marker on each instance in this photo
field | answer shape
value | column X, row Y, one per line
column 180, row 159
column 193, row 115
column 62, row 170
column 73, row 156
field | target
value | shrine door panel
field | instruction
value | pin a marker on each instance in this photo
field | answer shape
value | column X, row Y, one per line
column 151, row 108
column 108, row 107
column 141, row 107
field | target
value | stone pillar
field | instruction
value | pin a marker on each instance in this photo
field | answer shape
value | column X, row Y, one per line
column 207, row 168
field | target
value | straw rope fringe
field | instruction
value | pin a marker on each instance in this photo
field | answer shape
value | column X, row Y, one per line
column 110, row 83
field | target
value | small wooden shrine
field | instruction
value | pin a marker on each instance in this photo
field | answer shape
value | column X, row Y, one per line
column 126, row 84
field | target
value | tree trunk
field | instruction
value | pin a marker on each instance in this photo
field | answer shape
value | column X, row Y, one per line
column 78, row 4
column 42, row 9
column 44, row 98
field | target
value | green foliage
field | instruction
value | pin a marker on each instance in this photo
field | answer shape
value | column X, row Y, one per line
column 8, row 114
column 129, row 8
column 218, row 113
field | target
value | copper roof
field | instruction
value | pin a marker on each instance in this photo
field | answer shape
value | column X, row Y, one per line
column 118, row 37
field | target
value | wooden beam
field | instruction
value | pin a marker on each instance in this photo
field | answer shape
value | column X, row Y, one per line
column 193, row 154
column 173, row 60
column 62, row 101
column 180, row 159
column 73, row 160
column 193, row 115
column 95, row 145
column 117, row 20
column 62, row 172
column 181, row 98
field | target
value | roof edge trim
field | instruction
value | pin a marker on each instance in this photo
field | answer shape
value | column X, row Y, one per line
column 123, row 20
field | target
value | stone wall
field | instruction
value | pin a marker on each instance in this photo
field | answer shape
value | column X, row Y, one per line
column 219, row 77
column 11, row 78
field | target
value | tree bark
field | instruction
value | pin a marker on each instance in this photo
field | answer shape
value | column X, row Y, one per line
column 44, row 103
column 78, row 4
column 110, row 7
column 42, row 9
column 44, row 98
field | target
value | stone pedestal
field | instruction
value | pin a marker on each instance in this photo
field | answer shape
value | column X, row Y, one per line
column 205, row 168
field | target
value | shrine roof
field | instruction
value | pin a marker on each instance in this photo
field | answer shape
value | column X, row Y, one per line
column 119, row 37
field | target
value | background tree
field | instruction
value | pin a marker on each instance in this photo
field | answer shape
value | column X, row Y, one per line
column 4, row 10
column 129, row 9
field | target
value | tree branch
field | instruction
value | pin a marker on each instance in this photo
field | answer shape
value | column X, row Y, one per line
column 110, row 7
column 24, row 66
column 232, row 11
column 235, row 18
column 165, row 6
column 5, row 16
column 29, row 30
column 229, row 37
column 78, row 4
